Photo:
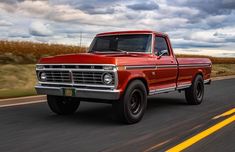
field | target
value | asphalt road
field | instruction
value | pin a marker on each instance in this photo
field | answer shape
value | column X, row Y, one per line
column 167, row 122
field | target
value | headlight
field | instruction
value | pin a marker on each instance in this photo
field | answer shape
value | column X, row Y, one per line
column 107, row 78
column 42, row 76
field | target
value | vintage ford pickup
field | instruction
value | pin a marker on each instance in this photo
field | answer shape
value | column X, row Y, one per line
column 121, row 68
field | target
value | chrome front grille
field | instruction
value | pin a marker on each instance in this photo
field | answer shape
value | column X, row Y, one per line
column 82, row 76
column 58, row 76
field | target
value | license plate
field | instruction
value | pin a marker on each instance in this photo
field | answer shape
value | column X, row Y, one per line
column 68, row 92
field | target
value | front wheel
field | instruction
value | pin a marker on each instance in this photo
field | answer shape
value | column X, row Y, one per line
column 194, row 94
column 62, row 105
column 131, row 107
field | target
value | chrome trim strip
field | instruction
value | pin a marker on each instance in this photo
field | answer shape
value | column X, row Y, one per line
column 71, row 84
column 77, row 69
column 194, row 65
column 76, row 64
column 115, row 77
column 167, row 66
column 64, row 69
column 157, row 91
column 140, row 67
column 80, row 92
column 97, row 90
column 152, row 44
column 183, row 86
column 99, row 35
column 137, row 33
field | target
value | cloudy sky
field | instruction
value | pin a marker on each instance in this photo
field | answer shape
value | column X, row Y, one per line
column 195, row 26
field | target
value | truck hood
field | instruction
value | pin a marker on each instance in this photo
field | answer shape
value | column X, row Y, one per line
column 98, row 58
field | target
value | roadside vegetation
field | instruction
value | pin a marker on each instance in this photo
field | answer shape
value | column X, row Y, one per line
column 17, row 80
column 14, row 52
column 214, row 60
column 18, row 59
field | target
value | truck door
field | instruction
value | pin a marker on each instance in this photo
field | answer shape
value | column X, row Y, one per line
column 166, row 71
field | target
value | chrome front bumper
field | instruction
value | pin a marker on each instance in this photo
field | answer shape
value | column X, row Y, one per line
column 80, row 92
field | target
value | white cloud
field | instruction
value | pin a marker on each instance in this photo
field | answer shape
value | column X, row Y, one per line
column 5, row 23
column 34, row 8
column 189, row 26
column 40, row 29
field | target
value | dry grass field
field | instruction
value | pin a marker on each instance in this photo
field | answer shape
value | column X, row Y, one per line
column 14, row 52
column 17, row 80
column 17, row 65
column 214, row 60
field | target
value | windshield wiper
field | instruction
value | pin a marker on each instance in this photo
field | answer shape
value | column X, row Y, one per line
column 120, row 50
column 112, row 51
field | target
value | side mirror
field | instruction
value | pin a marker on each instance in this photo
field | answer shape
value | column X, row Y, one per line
column 163, row 52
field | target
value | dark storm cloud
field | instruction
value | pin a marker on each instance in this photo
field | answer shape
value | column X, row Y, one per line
column 207, row 9
column 144, row 6
column 90, row 6
column 18, row 35
column 15, row 1
column 214, row 7
column 227, row 38
column 91, row 9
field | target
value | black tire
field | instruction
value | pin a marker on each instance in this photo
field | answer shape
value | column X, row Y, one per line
column 62, row 105
column 194, row 94
column 131, row 107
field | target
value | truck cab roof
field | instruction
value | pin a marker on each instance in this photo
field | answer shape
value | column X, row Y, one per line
column 132, row 32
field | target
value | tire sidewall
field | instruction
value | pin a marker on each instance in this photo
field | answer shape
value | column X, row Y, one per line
column 198, row 81
column 129, row 116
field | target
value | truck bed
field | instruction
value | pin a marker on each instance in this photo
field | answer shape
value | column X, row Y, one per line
column 188, row 67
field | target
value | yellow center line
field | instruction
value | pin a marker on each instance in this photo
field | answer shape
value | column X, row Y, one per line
column 225, row 114
column 201, row 135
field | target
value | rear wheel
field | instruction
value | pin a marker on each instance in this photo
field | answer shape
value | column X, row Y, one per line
column 131, row 107
column 194, row 94
column 63, row 105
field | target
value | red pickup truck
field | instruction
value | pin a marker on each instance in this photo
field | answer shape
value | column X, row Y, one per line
column 121, row 68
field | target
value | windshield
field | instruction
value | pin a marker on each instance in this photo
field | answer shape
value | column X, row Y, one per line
column 122, row 43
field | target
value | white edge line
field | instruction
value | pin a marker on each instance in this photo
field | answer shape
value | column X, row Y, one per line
column 22, row 103
column 19, row 98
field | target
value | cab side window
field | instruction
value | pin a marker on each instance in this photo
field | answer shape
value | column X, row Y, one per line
column 161, row 46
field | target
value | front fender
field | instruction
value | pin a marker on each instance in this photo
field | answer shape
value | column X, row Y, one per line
column 126, row 76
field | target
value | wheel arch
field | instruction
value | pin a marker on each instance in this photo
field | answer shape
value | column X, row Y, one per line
column 142, row 79
column 199, row 72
